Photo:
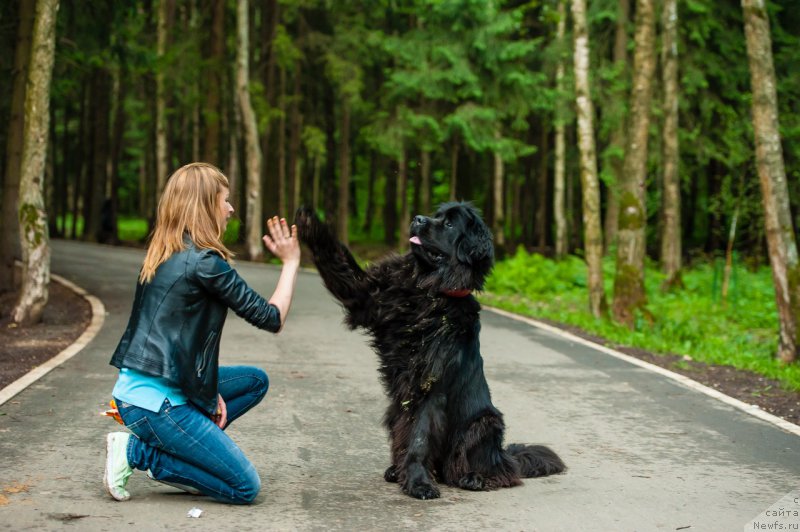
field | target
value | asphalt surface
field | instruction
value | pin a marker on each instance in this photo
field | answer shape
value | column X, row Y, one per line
column 644, row 452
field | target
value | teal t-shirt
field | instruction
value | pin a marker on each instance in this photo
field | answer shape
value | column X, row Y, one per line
column 146, row 391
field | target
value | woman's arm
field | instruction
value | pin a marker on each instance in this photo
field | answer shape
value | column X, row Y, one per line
column 282, row 242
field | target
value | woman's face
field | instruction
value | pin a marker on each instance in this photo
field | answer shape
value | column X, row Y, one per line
column 225, row 209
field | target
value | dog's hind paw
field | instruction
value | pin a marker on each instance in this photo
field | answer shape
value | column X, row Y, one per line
column 423, row 490
column 391, row 474
column 472, row 481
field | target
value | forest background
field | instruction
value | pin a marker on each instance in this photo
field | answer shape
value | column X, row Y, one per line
column 614, row 147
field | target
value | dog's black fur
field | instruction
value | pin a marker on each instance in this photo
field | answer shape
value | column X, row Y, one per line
column 425, row 324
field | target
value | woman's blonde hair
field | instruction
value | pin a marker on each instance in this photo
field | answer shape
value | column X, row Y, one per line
column 188, row 205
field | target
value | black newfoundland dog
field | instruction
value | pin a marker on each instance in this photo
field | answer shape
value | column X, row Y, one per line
column 424, row 322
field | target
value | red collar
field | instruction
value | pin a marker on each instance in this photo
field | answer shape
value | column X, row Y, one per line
column 464, row 292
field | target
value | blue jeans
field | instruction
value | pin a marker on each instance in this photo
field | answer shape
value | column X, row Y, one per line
column 181, row 445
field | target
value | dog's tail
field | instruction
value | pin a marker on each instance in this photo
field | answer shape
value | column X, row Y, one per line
column 536, row 460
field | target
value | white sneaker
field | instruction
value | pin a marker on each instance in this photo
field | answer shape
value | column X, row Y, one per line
column 117, row 468
column 187, row 489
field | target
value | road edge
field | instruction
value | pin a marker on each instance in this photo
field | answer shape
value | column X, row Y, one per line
column 753, row 410
column 95, row 324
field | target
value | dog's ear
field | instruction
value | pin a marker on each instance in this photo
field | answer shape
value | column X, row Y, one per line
column 475, row 245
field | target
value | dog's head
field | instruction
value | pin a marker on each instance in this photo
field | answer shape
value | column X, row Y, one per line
column 453, row 248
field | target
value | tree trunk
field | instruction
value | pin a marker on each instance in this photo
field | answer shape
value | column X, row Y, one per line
column 514, row 191
column 234, row 138
column 252, row 149
column 403, row 218
column 328, row 193
column 271, row 12
column 559, row 214
column 67, row 145
column 498, row 212
column 781, row 240
column 617, row 159
column 454, row 170
column 415, row 186
column 296, row 128
column 541, row 188
column 215, row 75
column 33, row 220
column 51, row 180
column 671, row 236
column 99, row 166
column 425, row 183
column 370, row 210
column 590, row 188
column 110, row 231
column 342, row 211
column 629, row 293
column 281, row 148
column 162, row 166
column 390, row 209
column 84, row 152
column 10, row 245
column 316, row 177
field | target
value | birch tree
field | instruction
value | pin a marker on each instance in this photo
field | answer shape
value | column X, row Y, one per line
column 498, row 218
column 559, row 214
column 33, row 232
column 253, row 157
column 593, row 235
column 671, row 234
column 629, row 293
column 781, row 242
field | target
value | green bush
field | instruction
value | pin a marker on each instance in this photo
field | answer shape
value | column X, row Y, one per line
column 741, row 331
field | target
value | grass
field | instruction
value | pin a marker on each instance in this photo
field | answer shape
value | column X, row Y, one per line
column 131, row 229
column 740, row 332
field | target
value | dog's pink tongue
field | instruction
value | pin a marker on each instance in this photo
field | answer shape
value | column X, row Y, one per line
column 415, row 240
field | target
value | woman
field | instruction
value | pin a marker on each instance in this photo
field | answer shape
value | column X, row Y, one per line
column 171, row 392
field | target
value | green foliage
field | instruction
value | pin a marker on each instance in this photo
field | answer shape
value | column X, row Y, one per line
column 132, row 229
column 741, row 332
column 313, row 140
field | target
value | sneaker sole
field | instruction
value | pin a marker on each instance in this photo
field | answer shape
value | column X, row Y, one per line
column 106, row 482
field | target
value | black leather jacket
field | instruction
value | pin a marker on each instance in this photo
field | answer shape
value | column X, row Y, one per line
column 177, row 318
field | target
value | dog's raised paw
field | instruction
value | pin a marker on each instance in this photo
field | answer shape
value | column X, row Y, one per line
column 303, row 217
column 423, row 491
column 472, row 481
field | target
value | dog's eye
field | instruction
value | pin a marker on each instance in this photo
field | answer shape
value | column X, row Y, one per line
column 447, row 224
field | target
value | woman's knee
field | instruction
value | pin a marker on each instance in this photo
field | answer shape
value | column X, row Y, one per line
column 249, row 488
column 261, row 381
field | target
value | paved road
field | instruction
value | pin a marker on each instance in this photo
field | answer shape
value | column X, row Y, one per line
column 644, row 452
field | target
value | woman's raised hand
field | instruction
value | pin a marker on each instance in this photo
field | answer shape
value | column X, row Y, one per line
column 281, row 240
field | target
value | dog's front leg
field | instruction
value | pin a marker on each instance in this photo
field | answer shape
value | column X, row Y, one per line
column 339, row 270
column 425, row 434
